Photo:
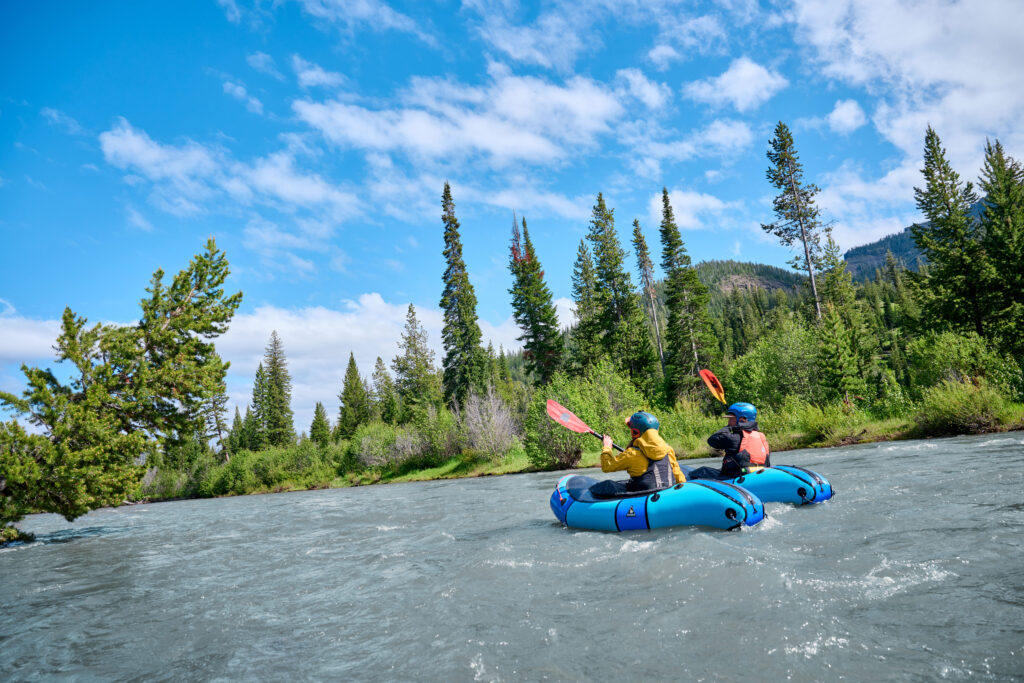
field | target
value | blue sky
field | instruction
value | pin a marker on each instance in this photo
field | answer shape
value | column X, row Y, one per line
column 312, row 138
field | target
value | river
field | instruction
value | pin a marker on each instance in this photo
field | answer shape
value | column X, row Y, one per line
column 914, row 571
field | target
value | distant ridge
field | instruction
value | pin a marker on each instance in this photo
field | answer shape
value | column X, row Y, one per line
column 725, row 276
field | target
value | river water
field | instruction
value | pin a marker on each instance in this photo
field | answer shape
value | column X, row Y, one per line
column 916, row 574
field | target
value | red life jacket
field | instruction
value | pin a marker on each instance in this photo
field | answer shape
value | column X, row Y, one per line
column 755, row 447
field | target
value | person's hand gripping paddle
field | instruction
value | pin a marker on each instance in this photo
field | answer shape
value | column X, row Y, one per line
column 716, row 388
column 565, row 418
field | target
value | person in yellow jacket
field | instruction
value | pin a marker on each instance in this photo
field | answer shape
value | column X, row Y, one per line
column 649, row 461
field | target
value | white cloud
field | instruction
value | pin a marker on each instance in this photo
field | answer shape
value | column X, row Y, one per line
column 745, row 85
column 367, row 14
column 264, row 63
column 552, row 41
column 25, row 340
column 511, row 118
column 654, row 95
column 237, row 90
column 722, row 137
column 317, row 342
column 231, row 11
column 846, row 117
column 954, row 65
column 276, row 176
column 663, row 55
column 688, row 207
column 61, row 120
column 311, row 75
column 137, row 219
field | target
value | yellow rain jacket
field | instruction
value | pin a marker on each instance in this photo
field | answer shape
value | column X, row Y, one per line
column 637, row 458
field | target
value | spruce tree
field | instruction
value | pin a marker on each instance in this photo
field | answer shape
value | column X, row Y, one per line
column 234, row 442
column 261, row 407
column 355, row 403
column 794, row 206
column 951, row 241
column 691, row 341
column 385, row 393
column 464, row 363
column 585, row 349
column 625, row 339
column 1002, row 227
column 320, row 429
column 837, row 360
column 646, row 269
column 277, row 419
column 415, row 375
column 533, row 309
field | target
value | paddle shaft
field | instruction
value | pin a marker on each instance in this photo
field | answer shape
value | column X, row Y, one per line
column 614, row 445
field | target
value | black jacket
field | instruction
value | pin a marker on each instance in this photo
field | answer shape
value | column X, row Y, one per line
column 728, row 439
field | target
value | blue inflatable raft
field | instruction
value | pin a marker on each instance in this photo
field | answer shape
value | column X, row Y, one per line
column 783, row 484
column 711, row 503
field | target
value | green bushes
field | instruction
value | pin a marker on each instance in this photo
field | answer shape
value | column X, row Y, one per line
column 959, row 408
column 602, row 398
column 781, row 364
column 949, row 357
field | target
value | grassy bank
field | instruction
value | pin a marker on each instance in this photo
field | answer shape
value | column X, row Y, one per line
column 305, row 467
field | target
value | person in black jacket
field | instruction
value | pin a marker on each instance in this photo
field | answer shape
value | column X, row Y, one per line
column 745, row 447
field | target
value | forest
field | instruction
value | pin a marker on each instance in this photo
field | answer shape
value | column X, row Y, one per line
column 827, row 358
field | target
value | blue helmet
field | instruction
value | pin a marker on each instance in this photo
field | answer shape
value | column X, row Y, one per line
column 743, row 411
column 641, row 421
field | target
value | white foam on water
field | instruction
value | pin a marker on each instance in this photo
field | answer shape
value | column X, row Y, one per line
column 910, row 447
column 812, row 648
column 387, row 528
column 882, row 582
column 514, row 564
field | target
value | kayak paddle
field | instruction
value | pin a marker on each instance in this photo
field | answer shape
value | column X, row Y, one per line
column 716, row 388
column 565, row 418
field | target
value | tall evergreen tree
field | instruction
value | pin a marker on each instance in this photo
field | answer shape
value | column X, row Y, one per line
column 621, row 318
column 1002, row 224
column 585, row 348
column 385, row 393
column 234, row 441
column 320, row 429
column 857, row 341
column 794, row 206
column 464, row 363
column 691, row 341
column 355, row 403
column 951, row 241
column 277, row 419
column 261, row 408
column 534, row 309
column 213, row 414
column 415, row 375
column 646, row 269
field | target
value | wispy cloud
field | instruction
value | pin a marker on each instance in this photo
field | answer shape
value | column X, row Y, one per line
column 137, row 220
column 745, row 85
column 312, row 75
column 511, row 118
column 374, row 15
column 846, row 117
column 61, row 120
column 231, row 11
column 264, row 63
column 238, row 91
column 691, row 209
column 654, row 95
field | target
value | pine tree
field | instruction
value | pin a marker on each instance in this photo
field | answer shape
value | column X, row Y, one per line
column 620, row 315
column 839, row 291
column 1002, row 227
column 838, row 362
column 691, row 342
column 261, row 407
column 251, row 436
column 794, row 206
column 533, row 309
column 951, row 241
column 235, row 437
column 415, row 375
column 130, row 390
column 385, row 393
column 646, row 269
column 320, row 429
column 355, row 403
column 464, row 363
column 213, row 415
column 277, row 418
column 585, row 349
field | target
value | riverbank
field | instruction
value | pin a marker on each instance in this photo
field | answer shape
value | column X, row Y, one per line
column 826, row 434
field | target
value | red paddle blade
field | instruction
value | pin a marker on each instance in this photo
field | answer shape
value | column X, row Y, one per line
column 714, row 386
column 563, row 417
